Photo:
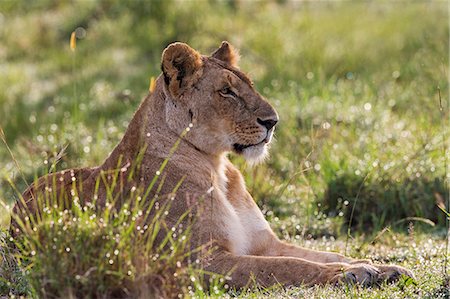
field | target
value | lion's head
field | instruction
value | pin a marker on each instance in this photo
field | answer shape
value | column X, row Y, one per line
column 210, row 92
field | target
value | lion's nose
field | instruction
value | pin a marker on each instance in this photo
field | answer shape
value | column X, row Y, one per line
column 268, row 123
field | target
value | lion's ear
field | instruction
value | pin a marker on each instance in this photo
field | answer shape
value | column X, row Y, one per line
column 227, row 53
column 181, row 66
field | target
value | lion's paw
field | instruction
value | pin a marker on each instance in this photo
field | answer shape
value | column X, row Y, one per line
column 361, row 274
column 392, row 273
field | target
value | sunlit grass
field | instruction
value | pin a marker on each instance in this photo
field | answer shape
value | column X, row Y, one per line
column 4, row 216
column 421, row 254
column 78, row 250
column 355, row 84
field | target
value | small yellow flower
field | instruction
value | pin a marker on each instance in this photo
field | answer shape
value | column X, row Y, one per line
column 152, row 86
column 73, row 41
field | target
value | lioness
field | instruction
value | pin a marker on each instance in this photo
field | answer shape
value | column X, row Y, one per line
column 218, row 102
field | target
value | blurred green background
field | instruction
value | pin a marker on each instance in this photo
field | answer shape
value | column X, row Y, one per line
column 356, row 85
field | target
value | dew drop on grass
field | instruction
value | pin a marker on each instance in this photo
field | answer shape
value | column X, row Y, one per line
column 395, row 74
column 80, row 32
column 326, row 125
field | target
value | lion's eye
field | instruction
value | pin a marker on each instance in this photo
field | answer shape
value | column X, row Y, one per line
column 227, row 92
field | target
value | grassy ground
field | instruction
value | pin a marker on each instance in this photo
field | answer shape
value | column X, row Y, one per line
column 356, row 86
column 421, row 254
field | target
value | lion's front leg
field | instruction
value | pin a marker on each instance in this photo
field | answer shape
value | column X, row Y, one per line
column 275, row 270
column 283, row 249
column 389, row 273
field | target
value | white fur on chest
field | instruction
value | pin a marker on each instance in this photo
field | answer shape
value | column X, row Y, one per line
column 240, row 225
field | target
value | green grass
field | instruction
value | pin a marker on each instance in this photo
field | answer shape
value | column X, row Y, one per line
column 420, row 254
column 355, row 84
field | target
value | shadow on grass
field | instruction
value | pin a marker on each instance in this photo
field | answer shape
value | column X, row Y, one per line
column 384, row 202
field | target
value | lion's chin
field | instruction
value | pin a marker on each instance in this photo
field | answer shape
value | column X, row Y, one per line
column 255, row 154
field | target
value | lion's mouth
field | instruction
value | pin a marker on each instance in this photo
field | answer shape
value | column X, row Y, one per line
column 239, row 148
